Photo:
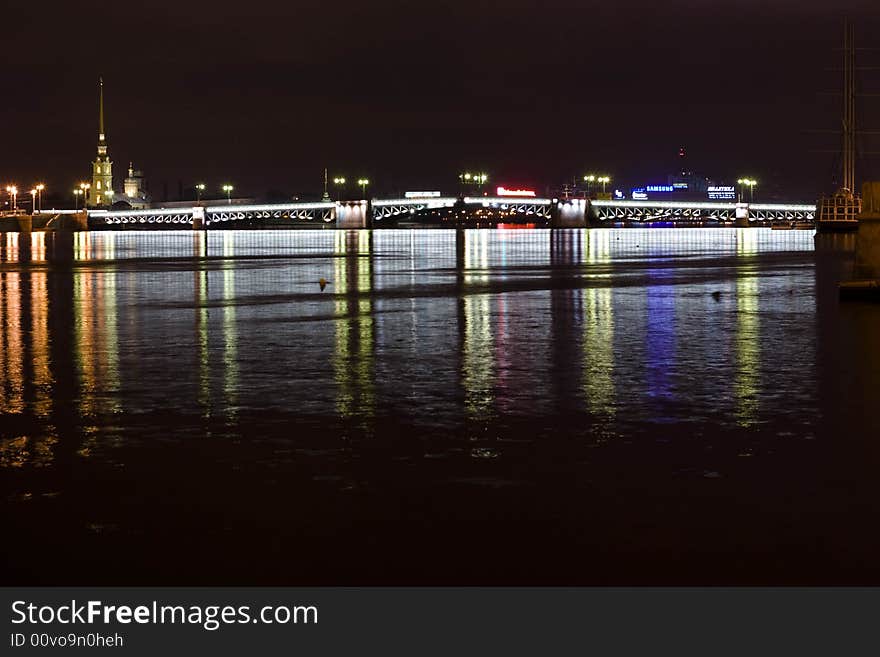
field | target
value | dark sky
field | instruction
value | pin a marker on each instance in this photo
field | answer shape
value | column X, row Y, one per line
column 265, row 94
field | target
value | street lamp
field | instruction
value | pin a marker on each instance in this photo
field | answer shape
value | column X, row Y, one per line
column 199, row 189
column 76, row 194
column 750, row 183
column 363, row 182
column 604, row 180
column 228, row 189
column 34, row 200
column 480, row 180
column 40, row 189
column 475, row 179
column 109, row 194
column 85, row 187
column 13, row 192
column 341, row 183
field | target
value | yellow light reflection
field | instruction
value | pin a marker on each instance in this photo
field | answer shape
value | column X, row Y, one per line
column 230, row 328
column 747, row 381
column 598, row 246
column 354, row 354
column 598, row 375
column 478, row 363
column 11, row 356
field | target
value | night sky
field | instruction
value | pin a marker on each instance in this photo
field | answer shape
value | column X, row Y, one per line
column 265, row 94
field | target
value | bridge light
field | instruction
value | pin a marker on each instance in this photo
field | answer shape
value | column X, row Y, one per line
column 228, row 189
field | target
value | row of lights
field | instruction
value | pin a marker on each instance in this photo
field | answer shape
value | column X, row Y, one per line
column 362, row 183
column 593, row 178
column 36, row 196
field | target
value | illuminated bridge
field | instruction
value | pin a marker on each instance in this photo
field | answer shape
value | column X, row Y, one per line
column 354, row 214
column 362, row 213
column 649, row 211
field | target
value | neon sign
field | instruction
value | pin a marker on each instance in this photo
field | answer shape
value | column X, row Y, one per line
column 659, row 188
column 501, row 191
column 721, row 192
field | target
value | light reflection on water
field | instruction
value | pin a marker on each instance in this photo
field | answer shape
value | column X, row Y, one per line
column 618, row 327
column 203, row 385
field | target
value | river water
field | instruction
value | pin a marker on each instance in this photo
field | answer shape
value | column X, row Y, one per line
column 634, row 406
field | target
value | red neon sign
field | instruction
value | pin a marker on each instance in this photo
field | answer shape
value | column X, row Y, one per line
column 501, row 191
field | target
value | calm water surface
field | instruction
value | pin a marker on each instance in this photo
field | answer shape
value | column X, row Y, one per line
column 606, row 406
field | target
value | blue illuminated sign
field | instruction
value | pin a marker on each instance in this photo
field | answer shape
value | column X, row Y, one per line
column 659, row 188
column 721, row 192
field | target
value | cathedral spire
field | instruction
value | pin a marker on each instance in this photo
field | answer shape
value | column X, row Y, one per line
column 101, row 136
column 101, row 190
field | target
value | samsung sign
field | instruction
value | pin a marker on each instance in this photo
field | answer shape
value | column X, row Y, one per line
column 659, row 188
column 722, row 192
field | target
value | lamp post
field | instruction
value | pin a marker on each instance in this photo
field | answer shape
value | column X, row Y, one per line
column 340, row 182
column 604, row 180
column 589, row 179
column 40, row 189
column 480, row 180
column 76, row 194
column 475, row 179
column 85, row 187
column 747, row 182
column 13, row 192
column 109, row 194
column 199, row 189
column 228, row 189
column 34, row 200
column 363, row 182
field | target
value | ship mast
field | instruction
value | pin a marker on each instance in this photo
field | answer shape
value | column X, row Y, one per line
column 849, row 108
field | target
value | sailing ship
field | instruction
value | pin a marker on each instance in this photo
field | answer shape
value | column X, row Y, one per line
column 839, row 212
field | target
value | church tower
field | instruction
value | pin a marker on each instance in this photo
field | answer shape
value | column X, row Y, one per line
column 101, row 191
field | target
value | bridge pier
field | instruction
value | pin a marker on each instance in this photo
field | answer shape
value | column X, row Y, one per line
column 199, row 222
column 742, row 215
column 354, row 214
column 569, row 213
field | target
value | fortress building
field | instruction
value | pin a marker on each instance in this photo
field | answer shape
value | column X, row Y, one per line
column 135, row 193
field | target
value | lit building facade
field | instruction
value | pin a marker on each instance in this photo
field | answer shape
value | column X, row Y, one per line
column 135, row 192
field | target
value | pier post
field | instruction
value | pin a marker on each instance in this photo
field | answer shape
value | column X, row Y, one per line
column 199, row 220
column 354, row 214
column 569, row 213
column 25, row 223
column 742, row 215
column 867, row 264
